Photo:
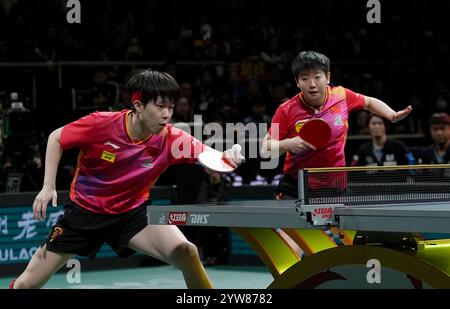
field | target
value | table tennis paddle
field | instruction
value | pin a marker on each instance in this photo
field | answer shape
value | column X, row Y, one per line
column 216, row 162
column 316, row 131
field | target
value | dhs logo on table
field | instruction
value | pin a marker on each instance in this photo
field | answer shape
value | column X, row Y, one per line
column 178, row 218
column 199, row 218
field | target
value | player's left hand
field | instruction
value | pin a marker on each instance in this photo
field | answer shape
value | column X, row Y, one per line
column 397, row 116
column 233, row 155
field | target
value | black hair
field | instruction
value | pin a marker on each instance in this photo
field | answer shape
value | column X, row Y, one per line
column 439, row 119
column 153, row 84
column 309, row 60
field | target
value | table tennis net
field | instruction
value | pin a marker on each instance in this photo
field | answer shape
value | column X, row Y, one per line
column 376, row 185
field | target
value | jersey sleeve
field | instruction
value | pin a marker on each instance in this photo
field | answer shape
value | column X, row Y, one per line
column 279, row 128
column 183, row 147
column 78, row 133
column 354, row 100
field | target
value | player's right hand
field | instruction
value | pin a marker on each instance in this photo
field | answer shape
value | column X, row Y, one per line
column 41, row 201
column 397, row 116
column 296, row 145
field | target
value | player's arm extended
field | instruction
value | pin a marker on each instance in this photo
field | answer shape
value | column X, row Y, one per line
column 52, row 157
column 48, row 192
column 380, row 108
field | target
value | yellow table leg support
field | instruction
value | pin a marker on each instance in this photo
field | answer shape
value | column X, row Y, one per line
column 406, row 263
column 272, row 249
column 435, row 252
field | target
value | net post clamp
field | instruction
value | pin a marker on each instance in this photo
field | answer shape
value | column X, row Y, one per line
column 320, row 215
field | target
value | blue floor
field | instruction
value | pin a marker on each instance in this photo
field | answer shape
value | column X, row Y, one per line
column 160, row 277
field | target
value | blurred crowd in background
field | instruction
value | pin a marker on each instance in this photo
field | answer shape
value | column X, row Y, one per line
column 231, row 58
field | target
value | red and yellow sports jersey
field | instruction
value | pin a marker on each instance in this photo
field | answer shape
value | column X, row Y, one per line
column 292, row 114
column 114, row 173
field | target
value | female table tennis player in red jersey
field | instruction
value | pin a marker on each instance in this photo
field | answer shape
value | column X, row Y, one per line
column 122, row 154
column 316, row 100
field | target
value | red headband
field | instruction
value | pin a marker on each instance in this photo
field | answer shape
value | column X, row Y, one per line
column 136, row 96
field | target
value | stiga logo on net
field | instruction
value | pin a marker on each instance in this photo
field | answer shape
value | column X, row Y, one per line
column 178, row 218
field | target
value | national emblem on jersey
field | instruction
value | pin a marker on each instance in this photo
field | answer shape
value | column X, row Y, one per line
column 299, row 124
column 335, row 109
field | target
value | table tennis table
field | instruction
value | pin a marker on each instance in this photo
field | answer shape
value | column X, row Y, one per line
column 316, row 242
column 412, row 217
column 332, row 237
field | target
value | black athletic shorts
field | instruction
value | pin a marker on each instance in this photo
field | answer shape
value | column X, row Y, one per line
column 83, row 232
